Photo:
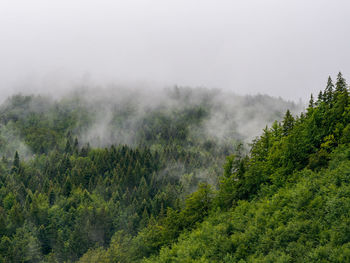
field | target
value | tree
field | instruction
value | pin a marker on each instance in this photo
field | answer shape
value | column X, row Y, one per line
column 144, row 219
column 16, row 163
column 76, row 146
column 340, row 86
column 288, row 123
column 341, row 96
column 311, row 102
column 68, row 148
column 328, row 93
column 198, row 205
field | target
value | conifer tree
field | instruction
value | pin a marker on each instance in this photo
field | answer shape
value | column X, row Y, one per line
column 144, row 219
column 320, row 98
column 68, row 148
column 341, row 96
column 76, row 146
column 288, row 123
column 16, row 160
column 16, row 163
column 340, row 86
column 67, row 187
column 328, row 93
column 85, row 150
column 143, row 188
column 311, row 101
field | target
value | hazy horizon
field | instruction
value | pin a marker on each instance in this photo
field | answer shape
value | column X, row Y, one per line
column 283, row 49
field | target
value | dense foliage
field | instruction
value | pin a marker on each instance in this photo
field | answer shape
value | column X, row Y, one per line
column 288, row 201
column 84, row 178
column 63, row 200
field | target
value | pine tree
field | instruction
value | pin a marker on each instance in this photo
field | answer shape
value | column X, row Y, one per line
column 340, row 86
column 276, row 129
column 320, row 98
column 328, row 93
column 288, row 123
column 161, row 211
column 16, row 160
column 69, row 142
column 142, row 190
column 65, row 164
column 144, row 219
column 67, row 187
column 341, row 97
column 311, row 102
column 68, row 148
column 85, row 150
column 76, row 146
column 16, row 163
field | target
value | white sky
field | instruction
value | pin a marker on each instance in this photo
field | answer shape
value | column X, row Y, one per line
column 280, row 47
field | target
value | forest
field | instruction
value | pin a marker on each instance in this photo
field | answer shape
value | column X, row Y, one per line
column 186, row 175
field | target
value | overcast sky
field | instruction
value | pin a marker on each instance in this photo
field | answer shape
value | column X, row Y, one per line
column 279, row 47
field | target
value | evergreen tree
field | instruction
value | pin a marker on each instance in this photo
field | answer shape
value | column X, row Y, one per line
column 16, row 163
column 288, row 123
column 328, row 93
column 341, row 96
column 144, row 219
column 76, row 146
column 67, row 187
column 311, row 101
column 340, row 85
column 68, row 148
column 85, row 150
column 320, row 98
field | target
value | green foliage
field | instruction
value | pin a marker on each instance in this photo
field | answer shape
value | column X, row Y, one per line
column 290, row 204
column 85, row 200
column 305, row 221
column 287, row 200
column 66, row 198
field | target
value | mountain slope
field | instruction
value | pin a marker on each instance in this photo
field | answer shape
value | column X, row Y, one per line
column 289, row 201
column 93, row 170
column 307, row 220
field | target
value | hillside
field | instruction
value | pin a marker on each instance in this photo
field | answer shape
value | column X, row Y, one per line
column 98, row 168
column 287, row 201
column 179, row 131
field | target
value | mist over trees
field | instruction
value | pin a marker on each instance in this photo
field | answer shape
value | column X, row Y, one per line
column 174, row 131
column 97, row 168
column 169, row 190
column 287, row 201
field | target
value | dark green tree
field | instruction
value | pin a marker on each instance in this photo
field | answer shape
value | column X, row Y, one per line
column 340, row 86
column 16, row 163
column 288, row 123
column 311, row 101
column 328, row 92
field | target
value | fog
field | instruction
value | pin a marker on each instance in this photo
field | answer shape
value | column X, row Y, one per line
column 230, row 117
column 117, row 115
column 281, row 48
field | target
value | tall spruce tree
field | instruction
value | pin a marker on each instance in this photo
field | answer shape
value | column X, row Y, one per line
column 16, row 163
column 311, row 102
column 320, row 98
column 328, row 92
column 340, row 86
column 288, row 123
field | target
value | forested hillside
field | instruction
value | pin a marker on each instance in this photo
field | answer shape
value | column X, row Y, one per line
column 179, row 131
column 286, row 201
column 106, row 174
